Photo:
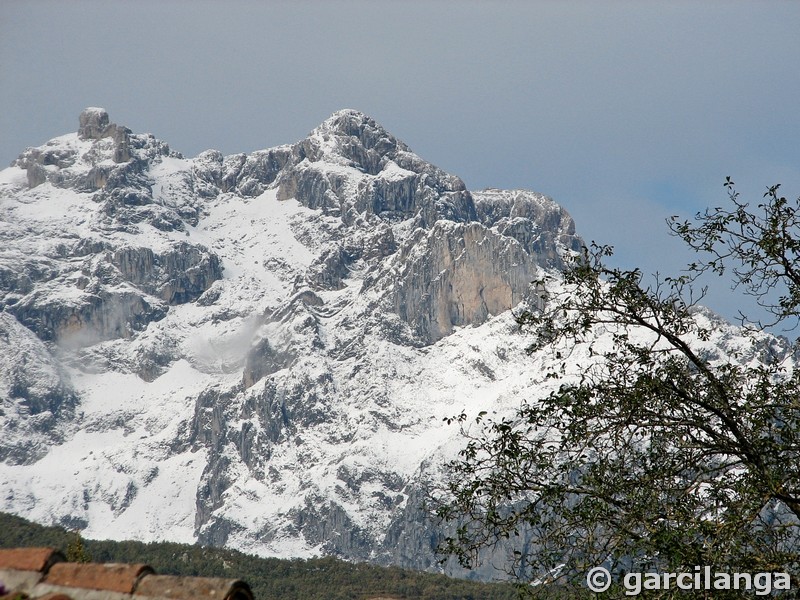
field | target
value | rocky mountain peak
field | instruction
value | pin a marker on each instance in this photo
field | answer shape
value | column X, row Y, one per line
column 357, row 138
column 94, row 251
column 352, row 139
column 263, row 339
column 350, row 166
column 351, row 122
column 100, row 151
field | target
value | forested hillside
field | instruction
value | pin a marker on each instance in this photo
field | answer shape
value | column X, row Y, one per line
column 269, row 578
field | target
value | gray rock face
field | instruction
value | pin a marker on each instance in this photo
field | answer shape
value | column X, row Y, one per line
column 93, row 123
column 90, row 316
column 459, row 274
column 179, row 275
column 543, row 227
column 351, row 166
column 292, row 399
column 329, row 526
column 247, row 175
column 98, row 292
column 36, row 395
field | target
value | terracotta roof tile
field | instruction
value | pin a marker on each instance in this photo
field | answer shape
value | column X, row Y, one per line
column 29, row 559
column 111, row 577
column 193, row 588
column 36, row 572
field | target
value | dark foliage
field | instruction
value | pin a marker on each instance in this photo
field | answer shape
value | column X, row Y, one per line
column 269, row 578
column 653, row 451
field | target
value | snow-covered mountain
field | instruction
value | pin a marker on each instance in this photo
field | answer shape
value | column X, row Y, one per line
column 255, row 350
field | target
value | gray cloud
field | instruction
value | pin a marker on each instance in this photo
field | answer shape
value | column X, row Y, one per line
column 624, row 112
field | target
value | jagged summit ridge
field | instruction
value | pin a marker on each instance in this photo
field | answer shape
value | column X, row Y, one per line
column 350, row 166
column 254, row 350
column 370, row 135
column 353, row 139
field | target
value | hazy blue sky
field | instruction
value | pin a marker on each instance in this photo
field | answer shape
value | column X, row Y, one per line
column 623, row 112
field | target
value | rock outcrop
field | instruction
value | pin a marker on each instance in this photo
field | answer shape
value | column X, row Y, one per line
column 350, row 166
column 459, row 274
column 93, row 123
column 92, row 284
column 543, row 227
column 35, row 394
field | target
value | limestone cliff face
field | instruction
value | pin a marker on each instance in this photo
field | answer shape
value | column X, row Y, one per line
column 459, row 274
column 177, row 275
column 89, row 316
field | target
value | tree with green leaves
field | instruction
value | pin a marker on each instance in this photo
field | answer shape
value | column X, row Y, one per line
column 665, row 438
column 76, row 551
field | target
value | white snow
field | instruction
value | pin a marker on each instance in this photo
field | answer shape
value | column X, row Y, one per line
column 129, row 467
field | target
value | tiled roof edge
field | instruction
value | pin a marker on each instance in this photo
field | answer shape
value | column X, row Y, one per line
column 42, row 573
column 30, row 559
